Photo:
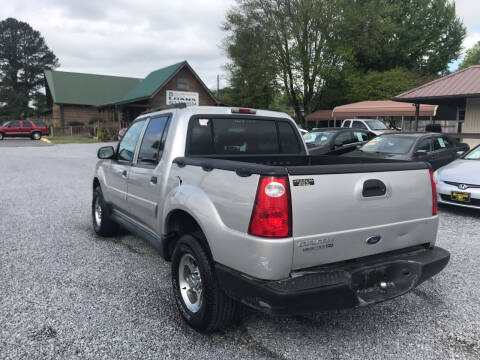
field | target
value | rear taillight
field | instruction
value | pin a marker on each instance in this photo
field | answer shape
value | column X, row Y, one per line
column 271, row 214
column 434, row 193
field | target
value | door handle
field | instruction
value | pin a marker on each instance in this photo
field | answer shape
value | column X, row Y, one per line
column 124, row 173
column 153, row 180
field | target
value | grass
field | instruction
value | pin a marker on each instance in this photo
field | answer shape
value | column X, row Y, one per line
column 72, row 140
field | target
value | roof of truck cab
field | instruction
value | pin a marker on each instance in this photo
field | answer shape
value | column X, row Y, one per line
column 218, row 110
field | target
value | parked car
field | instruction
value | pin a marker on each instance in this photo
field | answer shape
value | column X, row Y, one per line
column 231, row 197
column 121, row 132
column 336, row 141
column 33, row 129
column 436, row 149
column 373, row 125
column 458, row 183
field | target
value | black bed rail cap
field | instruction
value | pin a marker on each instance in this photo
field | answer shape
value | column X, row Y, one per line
column 242, row 169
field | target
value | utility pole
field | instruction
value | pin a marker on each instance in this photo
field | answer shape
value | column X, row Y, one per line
column 218, row 85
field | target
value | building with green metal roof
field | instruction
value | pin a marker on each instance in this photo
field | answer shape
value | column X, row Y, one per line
column 85, row 98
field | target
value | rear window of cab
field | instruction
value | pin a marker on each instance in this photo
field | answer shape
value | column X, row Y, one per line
column 241, row 136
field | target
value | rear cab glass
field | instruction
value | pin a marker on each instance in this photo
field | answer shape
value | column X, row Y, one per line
column 210, row 135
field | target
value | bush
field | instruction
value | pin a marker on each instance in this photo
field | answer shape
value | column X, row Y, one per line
column 103, row 135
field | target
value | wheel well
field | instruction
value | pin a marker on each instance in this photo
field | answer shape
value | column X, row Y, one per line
column 179, row 223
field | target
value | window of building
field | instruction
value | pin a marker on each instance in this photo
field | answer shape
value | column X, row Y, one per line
column 182, row 83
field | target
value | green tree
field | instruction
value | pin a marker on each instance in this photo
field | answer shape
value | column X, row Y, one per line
column 299, row 45
column 382, row 85
column 472, row 57
column 23, row 58
column 253, row 86
column 421, row 35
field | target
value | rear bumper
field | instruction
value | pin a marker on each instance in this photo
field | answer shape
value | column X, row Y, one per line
column 342, row 285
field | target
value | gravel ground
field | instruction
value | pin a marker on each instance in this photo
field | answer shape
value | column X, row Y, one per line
column 65, row 293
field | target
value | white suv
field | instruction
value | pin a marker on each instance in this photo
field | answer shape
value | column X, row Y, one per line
column 375, row 126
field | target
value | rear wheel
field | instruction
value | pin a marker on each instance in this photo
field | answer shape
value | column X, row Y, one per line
column 36, row 135
column 102, row 222
column 200, row 300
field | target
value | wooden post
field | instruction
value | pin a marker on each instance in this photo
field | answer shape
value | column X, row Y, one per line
column 417, row 112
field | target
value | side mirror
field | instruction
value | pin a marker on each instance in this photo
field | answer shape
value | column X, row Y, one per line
column 106, row 152
column 421, row 152
column 460, row 153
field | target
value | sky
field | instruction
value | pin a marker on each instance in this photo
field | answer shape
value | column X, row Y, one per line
column 133, row 38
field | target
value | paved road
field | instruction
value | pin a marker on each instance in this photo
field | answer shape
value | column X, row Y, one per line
column 22, row 142
column 65, row 293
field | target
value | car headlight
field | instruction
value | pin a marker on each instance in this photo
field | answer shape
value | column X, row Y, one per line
column 435, row 176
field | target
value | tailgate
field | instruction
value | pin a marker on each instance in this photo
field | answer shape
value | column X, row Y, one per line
column 335, row 215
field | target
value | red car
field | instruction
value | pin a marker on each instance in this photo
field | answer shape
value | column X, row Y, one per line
column 33, row 129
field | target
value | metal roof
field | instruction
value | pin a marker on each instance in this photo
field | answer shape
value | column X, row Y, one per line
column 381, row 108
column 153, row 82
column 463, row 83
column 320, row 115
column 87, row 89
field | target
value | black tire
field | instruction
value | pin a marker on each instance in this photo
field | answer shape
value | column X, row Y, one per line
column 104, row 226
column 217, row 310
column 36, row 135
column 1, row 136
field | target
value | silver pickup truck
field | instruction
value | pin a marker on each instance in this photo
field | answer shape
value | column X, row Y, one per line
column 246, row 216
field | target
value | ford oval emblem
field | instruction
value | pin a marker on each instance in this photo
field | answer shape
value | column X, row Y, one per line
column 372, row 240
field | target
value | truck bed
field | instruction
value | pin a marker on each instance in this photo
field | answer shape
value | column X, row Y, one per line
column 332, row 215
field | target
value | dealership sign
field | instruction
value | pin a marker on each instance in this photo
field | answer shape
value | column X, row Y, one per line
column 177, row 97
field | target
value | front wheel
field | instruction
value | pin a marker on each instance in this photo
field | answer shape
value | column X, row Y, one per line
column 1, row 136
column 102, row 223
column 200, row 300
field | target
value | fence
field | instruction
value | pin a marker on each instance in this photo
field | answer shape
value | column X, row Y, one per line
column 108, row 132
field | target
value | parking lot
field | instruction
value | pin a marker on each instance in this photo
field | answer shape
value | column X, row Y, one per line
column 66, row 293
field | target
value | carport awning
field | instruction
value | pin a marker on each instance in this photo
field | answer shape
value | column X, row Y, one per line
column 381, row 108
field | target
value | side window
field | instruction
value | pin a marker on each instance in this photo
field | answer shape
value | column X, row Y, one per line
column 439, row 143
column 26, row 124
column 346, row 123
column 360, row 136
column 151, row 148
column 344, row 138
column 448, row 142
column 14, row 124
column 359, row 125
column 126, row 148
column 425, row 144
column 288, row 139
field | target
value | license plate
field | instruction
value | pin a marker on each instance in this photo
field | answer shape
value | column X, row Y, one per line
column 460, row 196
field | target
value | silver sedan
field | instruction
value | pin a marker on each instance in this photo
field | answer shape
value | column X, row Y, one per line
column 458, row 183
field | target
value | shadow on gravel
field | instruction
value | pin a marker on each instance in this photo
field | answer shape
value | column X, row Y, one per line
column 458, row 210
